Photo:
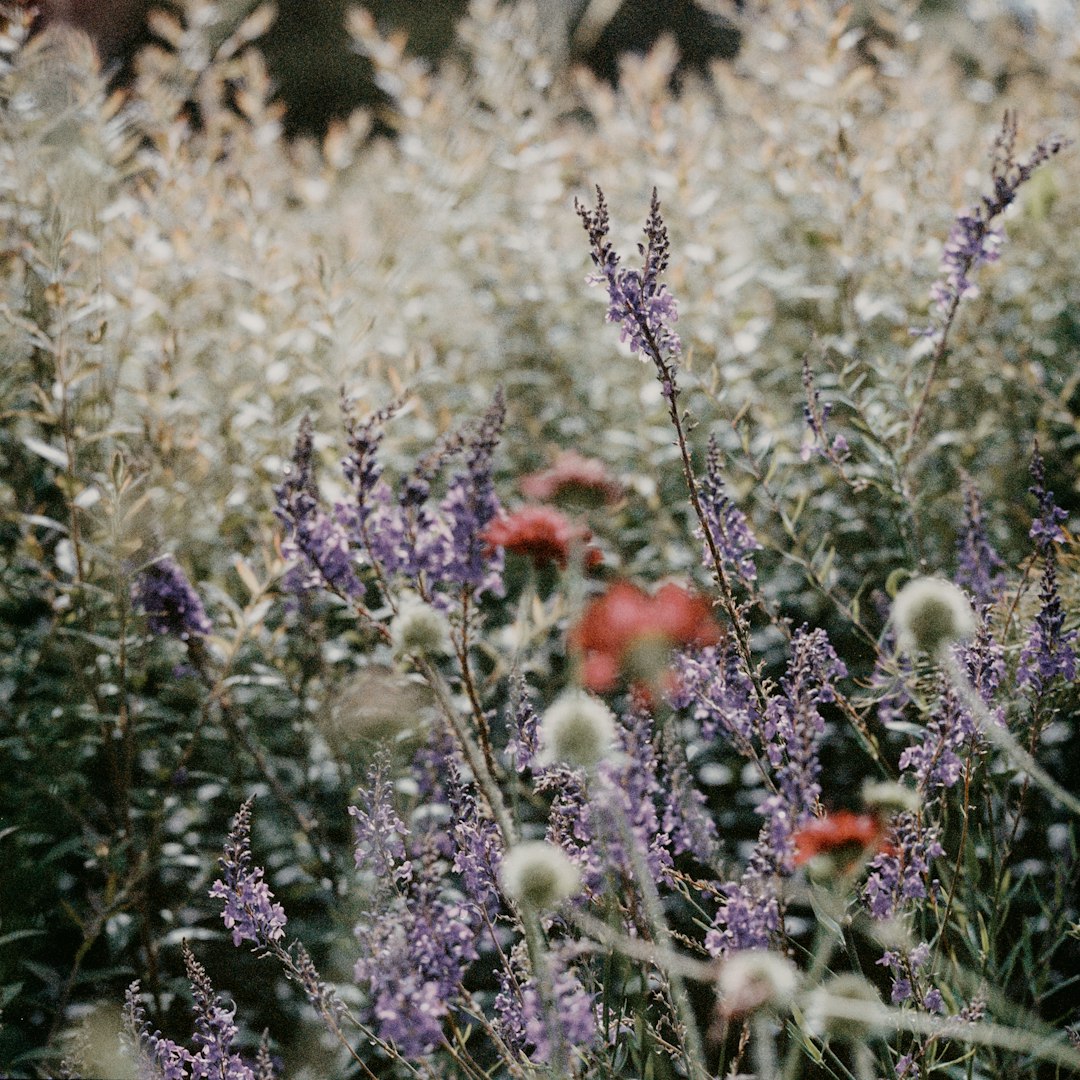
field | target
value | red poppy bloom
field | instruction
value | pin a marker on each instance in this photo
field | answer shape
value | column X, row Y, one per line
column 627, row 628
column 542, row 533
column 841, row 832
column 572, row 475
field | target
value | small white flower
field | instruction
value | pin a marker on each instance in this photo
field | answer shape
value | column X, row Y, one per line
column 538, row 875
column 577, row 730
column 755, row 979
column 418, row 629
column 930, row 614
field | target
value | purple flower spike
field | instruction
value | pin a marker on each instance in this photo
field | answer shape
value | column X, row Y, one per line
column 214, row 1030
column 156, row 1057
column 639, row 302
column 980, row 567
column 250, row 912
column 727, row 523
column 470, row 504
column 313, row 539
column 172, row 606
column 1049, row 651
column 974, row 238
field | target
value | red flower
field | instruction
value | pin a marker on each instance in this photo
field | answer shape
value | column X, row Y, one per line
column 572, row 475
column 542, row 533
column 626, row 629
column 841, row 832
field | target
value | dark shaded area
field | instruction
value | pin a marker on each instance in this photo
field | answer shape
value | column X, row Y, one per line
column 320, row 78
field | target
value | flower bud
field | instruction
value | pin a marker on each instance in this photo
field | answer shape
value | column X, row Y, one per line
column 577, row 730
column 755, row 979
column 538, row 875
column 930, row 614
column 418, row 629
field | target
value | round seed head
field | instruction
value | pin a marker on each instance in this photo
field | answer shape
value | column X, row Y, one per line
column 538, row 875
column 930, row 614
column 888, row 797
column 419, row 630
column 577, row 730
column 756, row 979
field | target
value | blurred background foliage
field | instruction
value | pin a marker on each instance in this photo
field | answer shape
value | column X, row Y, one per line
column 200, row 242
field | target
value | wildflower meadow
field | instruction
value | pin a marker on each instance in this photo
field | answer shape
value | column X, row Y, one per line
column 551, row 579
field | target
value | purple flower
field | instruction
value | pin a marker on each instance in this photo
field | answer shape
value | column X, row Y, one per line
column 791, row 731
column 470, row 504
column 639, row 302
column 171, row 605
column 979, row 566
column 416, row 951
column 1048, row 652
column 378, row 830
column 900, row 873
column 418, row 934
column 728, row 527
column 713, row 684
column 1046, row 529
column 788, row 734
column 157, row 1058
column 361, row 466
column 214, row 1030
column 250, row 911
column 817, row 416
column 974, row 238
column 686, row 817
column 314, row 540
column 519, row 1017
column 749, row 915
column 523, row 742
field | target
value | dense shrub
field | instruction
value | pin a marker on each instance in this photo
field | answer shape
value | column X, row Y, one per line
column 678, row 671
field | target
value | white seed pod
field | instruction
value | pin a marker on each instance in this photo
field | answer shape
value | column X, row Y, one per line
column 888, row 797
column 756, row 979
column 538, row 875
column 931, row 613
column 577, row 730
column 418, row 629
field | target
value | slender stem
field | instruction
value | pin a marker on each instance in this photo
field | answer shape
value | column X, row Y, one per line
column 693, row 1050
column 485, row 779
column 1002, row 738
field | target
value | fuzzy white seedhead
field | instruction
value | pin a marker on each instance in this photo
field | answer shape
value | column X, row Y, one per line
column 756, row 979
column 577, row 730
column 888, row 797
column 538, row 875
column 930, row 614
column 418, row 629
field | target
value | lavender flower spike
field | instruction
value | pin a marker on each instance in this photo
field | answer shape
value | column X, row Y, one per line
column 172, row 606
column 980, row 568
column 1049, row 650
column 214, row 1030
column 156, row 1057
column 974, row 239
column 250, row 912
column 639, row 302
column 730, row 531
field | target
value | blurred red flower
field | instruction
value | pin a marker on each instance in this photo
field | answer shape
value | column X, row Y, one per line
column 573, row 475
column 542, row 533
column 839, row 832
column 630, row 631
